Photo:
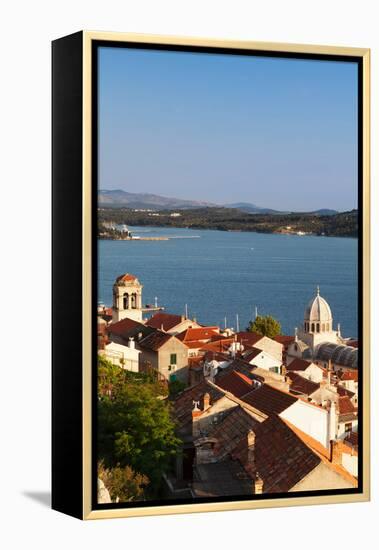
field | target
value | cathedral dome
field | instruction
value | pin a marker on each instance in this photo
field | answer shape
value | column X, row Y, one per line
column 318, row 310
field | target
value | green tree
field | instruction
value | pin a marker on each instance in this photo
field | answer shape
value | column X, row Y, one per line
column 123, row 484
column 265, row 325
column 135, row 427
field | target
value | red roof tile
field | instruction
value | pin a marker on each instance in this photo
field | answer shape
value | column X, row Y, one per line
column 299, row 384
column 345, row 405
column 249, row 338
column 235, row 384
column 123, row 327
column 269, row 400
column 281, row 458
column 167, row 321
column 344, row 392
column 218, row 345
column 198, row 334
column 298, row 365
column 349, row 375
column 155, row 340
column 285, row 340
column 126, row 278
column 183, row 404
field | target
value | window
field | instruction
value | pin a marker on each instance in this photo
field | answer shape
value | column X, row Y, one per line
column 173, row 359
column 348, row 427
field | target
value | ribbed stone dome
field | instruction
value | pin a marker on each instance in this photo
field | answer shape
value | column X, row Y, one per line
column 318, row 310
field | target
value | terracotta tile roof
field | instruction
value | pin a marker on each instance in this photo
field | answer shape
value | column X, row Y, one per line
column 234, row 383
column 126, row 278
column 349, row 375
column 165, row 320
column 298, row 365
column 155, row 340
column 233, row 428
column 269, row 400
column 342, row 392
column 240, row 366
column 198, row 334
column 249, row 338
column 183, row 404
column 322, row 452
column 299, row 384
column 285, row 340
column 345, row 405
column 124, row 327
column 218, row 345
column 281, row 458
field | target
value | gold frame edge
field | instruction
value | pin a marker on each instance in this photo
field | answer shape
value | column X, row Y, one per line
column 88, row 513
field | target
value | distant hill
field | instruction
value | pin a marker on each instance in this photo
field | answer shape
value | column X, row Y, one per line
column 343, row 224
column 253, row 208
column 324, row 212
column 117, row 198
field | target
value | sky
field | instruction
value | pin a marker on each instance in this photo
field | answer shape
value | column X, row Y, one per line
column 279, row 133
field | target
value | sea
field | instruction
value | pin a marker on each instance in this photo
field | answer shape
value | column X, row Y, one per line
column 224, row 278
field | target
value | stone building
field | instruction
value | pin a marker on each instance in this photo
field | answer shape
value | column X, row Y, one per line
column 318, row 341
column 127, row 298
column 165, row 354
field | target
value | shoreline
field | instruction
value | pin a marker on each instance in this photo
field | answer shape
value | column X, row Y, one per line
column 167, row 238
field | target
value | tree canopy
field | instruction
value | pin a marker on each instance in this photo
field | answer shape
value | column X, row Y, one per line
column 265, row 325
column 135, row 427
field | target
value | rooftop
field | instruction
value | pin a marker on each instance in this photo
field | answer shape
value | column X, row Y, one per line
column 155, row 340
column 269, row 400
column 167, row 321
column 299, row 384
column 298, row 365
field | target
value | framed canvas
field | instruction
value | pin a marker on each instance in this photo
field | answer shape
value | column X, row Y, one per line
column 210, row 275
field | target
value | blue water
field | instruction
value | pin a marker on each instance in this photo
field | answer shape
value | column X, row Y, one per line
column 222, row 274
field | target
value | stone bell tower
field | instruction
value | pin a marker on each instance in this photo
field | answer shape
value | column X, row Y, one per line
column 127, row 298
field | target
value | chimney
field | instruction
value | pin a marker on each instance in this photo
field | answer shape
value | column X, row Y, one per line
column 131, row 343
column 182, row 317
column 258, row 484
column 196, row 412
column 207, row 401
column 251, row 449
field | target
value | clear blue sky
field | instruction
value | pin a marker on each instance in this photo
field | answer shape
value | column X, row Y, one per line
column 280, row 133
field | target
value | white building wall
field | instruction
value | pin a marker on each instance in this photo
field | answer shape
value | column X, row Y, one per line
column 312, row 373
column 122, row 356
column 350, row 463
column 309, row 419
column 266, row 361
